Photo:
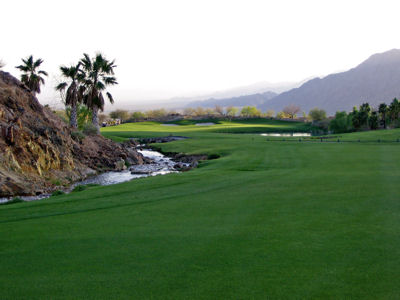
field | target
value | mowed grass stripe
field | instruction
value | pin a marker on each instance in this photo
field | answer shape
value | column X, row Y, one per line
column 266, row 220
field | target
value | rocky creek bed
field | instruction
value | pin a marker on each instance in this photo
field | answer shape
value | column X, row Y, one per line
column 156, row 164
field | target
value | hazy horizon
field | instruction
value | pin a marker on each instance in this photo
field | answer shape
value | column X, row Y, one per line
column 173, row 49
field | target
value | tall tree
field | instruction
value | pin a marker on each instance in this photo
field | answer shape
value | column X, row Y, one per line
column 394, row 110
column 99, row 73
column 31, row 76
column 75, row 90
column 291, row 110
column 383, row 109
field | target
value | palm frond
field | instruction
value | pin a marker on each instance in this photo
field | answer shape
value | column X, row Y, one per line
column 61, row 86
column 37, row 63
column 110, row 97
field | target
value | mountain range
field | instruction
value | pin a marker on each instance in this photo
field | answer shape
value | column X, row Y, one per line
column 375, row 80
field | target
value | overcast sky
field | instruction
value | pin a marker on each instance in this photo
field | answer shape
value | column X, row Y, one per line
column 184, row 48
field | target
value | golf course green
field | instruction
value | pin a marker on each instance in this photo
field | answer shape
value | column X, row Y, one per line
column 267, row 219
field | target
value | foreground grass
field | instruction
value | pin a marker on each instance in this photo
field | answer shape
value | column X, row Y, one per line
column 272, row 220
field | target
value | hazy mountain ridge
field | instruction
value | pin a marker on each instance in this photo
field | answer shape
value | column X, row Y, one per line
column 253, row 100
column 374, row 81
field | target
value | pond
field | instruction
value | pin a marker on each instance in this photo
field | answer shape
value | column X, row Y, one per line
column 160, row 165
column 293, row 134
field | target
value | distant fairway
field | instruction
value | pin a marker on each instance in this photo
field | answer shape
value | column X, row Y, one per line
column 267, row 220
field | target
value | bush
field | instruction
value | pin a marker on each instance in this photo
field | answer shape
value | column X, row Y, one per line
column 341, row 123
column 89, row 129
column 77, row 135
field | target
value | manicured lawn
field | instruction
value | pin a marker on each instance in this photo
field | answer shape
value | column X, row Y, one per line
column 267, row 220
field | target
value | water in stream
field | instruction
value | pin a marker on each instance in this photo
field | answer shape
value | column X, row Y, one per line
column 161, row 165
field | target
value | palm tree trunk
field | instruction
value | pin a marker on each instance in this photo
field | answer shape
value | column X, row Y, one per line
column 73, row 118
column 95, row 118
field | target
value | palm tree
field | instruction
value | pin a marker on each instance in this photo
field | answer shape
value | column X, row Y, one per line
column 31, row 76
column 98, row 75
column 75, row 91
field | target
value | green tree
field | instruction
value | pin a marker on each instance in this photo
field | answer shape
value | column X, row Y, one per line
column 99, row 74
column 383, row 110
column 137, row 116
column 341, row 123
column 250, row 111
column 364, row 114
column 373, row 120
column 75, row 91
column 231, row 111
column 394, row 110
column 121, row 114
column 282, row 115
column 317, row 114
column 157, row 113
column 31, row 75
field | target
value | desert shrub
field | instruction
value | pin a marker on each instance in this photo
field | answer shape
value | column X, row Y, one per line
column 55, row 181
column 77, row 135
column 89, row 129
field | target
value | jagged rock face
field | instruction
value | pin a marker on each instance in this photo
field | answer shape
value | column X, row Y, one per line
column 37, row 152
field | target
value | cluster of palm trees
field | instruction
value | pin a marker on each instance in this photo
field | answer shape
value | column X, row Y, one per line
column 84, row 83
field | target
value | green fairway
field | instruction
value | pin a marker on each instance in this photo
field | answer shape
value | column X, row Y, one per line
column 267, row 220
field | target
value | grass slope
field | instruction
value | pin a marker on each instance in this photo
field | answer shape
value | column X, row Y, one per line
column 274, row 220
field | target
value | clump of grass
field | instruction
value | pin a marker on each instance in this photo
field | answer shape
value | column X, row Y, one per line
column 81, row 187
column 89, row 129
column 56, row 182
column 58, row 193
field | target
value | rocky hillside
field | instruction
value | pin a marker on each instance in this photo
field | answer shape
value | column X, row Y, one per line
column 37, row 151
column 376, row 80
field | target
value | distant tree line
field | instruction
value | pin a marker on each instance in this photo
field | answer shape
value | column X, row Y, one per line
column 366, row 118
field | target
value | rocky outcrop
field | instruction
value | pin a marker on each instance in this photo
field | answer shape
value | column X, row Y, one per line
column 38, row 152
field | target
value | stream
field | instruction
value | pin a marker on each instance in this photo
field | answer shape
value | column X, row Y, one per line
column 160, row 165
